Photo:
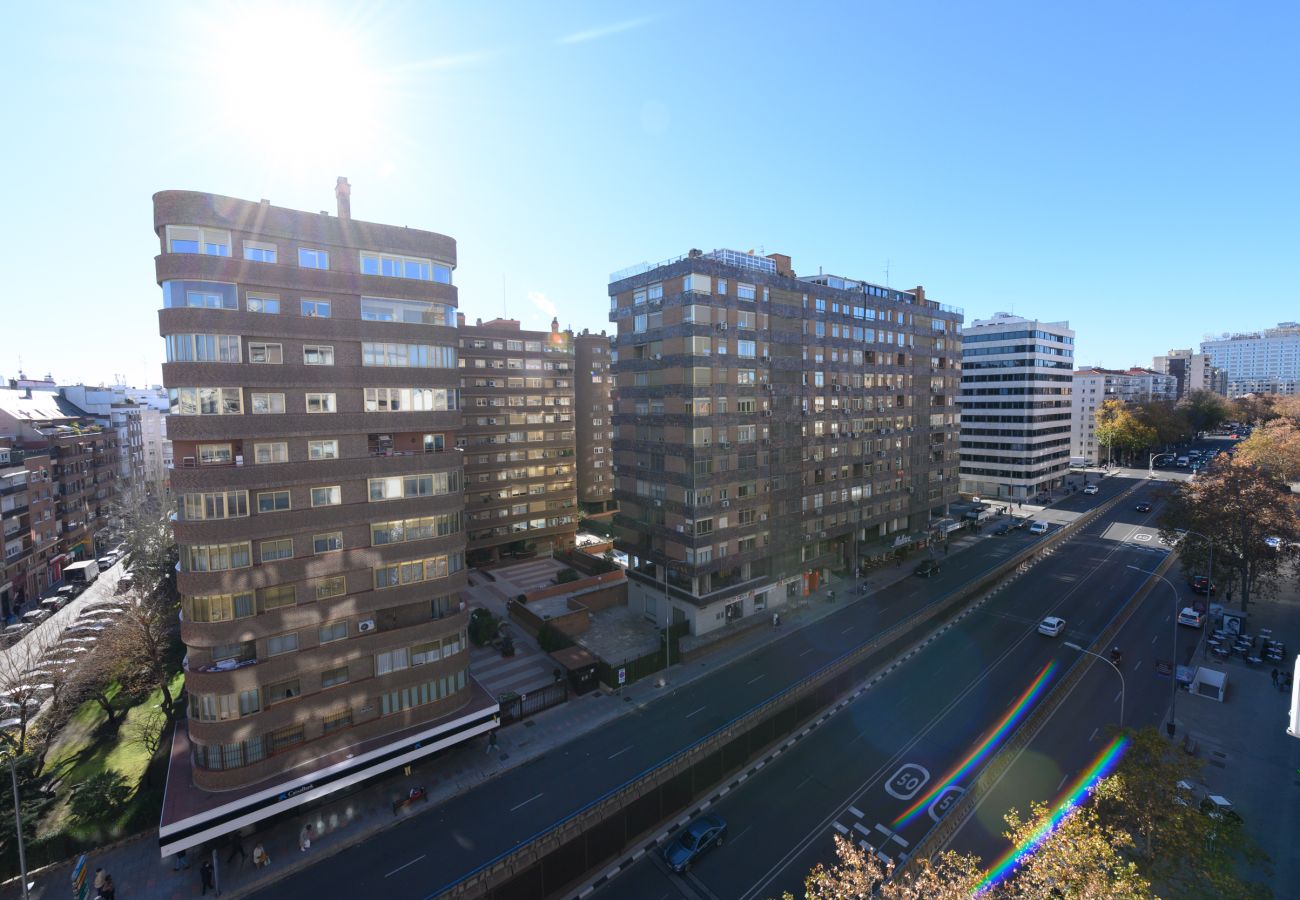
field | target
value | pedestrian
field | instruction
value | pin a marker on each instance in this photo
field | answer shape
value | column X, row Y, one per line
column 108, row 891
column 100, row 874
column 304, row 838
column 180, row 861
column 260, row 859
column 237, row 850
column 205, row 876
column 492, row 741
column 1275, row 678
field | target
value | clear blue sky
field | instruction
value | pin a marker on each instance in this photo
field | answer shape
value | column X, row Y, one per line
column 1130, row 167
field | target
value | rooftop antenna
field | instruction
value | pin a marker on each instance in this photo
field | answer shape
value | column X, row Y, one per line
column 886, row 273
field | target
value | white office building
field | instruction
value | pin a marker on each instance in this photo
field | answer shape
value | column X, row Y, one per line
column 1093, row 386
column 1016, row 383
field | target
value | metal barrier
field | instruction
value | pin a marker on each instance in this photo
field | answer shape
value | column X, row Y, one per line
column 562, row 853
column 521, row 706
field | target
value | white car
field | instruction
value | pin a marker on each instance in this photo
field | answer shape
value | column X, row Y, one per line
column 1191, row 617
column 1273, row 542
column 1039, row 527
column 1052, row 626
column 1090, row 489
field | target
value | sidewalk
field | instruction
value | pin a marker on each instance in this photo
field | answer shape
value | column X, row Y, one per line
column 345, row 819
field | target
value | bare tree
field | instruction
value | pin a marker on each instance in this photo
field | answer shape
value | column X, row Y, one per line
column 26, row 684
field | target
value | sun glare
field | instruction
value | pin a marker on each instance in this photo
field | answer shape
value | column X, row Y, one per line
column 296, row 84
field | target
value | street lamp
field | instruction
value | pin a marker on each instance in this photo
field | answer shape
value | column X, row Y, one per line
column 1151, row 463
column 1117, row 672
column 1170, row 727
column 18, row 817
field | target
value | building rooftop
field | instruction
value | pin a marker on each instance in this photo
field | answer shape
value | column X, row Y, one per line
column 37, row 406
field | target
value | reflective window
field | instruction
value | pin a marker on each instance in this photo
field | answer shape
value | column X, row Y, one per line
column 193, row 239
column 309, row 258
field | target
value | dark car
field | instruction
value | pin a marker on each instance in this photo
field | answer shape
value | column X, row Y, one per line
column 1200, row 584
column 1022, row 522
column 1143, row 507
column 691, row 842
column 925, row 568
column 1004, row 528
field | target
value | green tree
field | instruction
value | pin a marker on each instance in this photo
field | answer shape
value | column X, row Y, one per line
column 1274, row 448
column 1203, row 410
column 1236, row 506
column 1119, row 429
column 1170, row 425
column 99, row 796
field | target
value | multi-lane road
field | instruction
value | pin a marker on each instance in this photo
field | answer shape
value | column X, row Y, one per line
column 864, row 767
column 427, row 853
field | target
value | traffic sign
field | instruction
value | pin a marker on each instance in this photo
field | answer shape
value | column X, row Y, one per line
column 622, row 676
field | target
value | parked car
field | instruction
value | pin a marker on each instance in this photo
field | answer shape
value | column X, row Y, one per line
column 1200, row 584
column 124, row 584
column 1191, row 617
column 1004, row 528
column 70, row 592
column 925, row 568
column 105, row 612
column 1039, row 527
column 1219, row 807
column 1021, row 522
column 704, row 833
column 36, row 616
column 1273, row 542
column 1052, row 626
column 1090, row 489
column 54, row 604
column 1143, row 507
column 14, row 633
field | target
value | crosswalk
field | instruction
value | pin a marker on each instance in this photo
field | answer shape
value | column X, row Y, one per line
column 884, row 843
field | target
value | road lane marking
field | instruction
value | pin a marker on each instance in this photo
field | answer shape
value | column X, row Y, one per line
column 1154, row 638
column 809, row 650
column 857, row 812
column 619, row 753
column 1137, row 665
column 526, row 802
column 1063, row 781
column 694, row 711
column 1117, row 696
column 411, row 863
column 1094, row 735
column 755, row 678
column 847, row 630
column 840, row 828
column 859, row 827
column 741, row 835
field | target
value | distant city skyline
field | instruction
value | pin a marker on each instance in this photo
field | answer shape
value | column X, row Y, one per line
column 1057, row 164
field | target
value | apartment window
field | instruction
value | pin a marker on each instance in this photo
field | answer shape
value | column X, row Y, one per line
column 426, row 653
column 317, row 355
column 205, row 241
column 277, row 549
column 282, row 643
column 205, row 401
column 434, row 443
column 215, row 454
column 394, row 266
column 199, row 295
column 278, row 596
column 745, row 349
column 217, row 607
column 327, row 543
column 332, row 721
column 392, row 661
column 241, row 652
column 316, row 309
column 265, row 353
column 334, row 586
column 322, row 449
column 269, row 305
column 214, row 505
column 331, row 677
column 744, row 291
column 418, row 570
column 422, row 356
column 309, row 258
column 222, row 348
column 277, row 452
column 322, row 403
column 418, row 312
column 326, row 496
column 266, row 404
column 283, row 690
column 402, row 530
column 426, row 485
column 257, row 251
column 655, row 291
column 722, row 285
column 273, row 501
column 334, row 631
column 410, row 399
column 215, row 557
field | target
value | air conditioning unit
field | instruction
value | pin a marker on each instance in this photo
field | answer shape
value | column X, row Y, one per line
column 657, row 356
column 767, row 413
column 726, row 504
column 659, row 503
column 762, row 517
column 722, row 326
column 835, row 388
column 766, row 386
column 366, row 625
column 823, row 534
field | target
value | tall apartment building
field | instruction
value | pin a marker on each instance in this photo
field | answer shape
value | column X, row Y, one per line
column 1193, row 372
column 593, row 397
column 62, row 472
column 520, row 490
column 770, row 428
column 311, row 371
column 112, row 408
column 1259, row 362
column 1016, row 378
column 1093, row 386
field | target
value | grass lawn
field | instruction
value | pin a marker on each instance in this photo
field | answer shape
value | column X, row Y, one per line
column 80, row 751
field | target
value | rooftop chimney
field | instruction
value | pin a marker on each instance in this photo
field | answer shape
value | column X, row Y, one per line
column 343, row 191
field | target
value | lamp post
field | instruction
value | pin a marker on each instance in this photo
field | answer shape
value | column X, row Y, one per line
column 1117, row 672
column 1170, row 727
column 1151, row 463
column 18, row 816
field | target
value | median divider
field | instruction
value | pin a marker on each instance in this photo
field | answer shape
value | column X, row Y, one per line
column 599, row 832
column 939, row 835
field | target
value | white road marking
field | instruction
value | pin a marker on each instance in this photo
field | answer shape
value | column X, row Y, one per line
column 411, row 863
column 840, row 828
column 755, row 678
column 846, row 630
column 619, row 753
column 526, row 802
column 1137, row 665
column 1154, row 638
column 858, row 827
column 806, row 652
column 1094, row 735
column 694, row 711
column 1117, row 696
column 1063, row 781
column 857, row 812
